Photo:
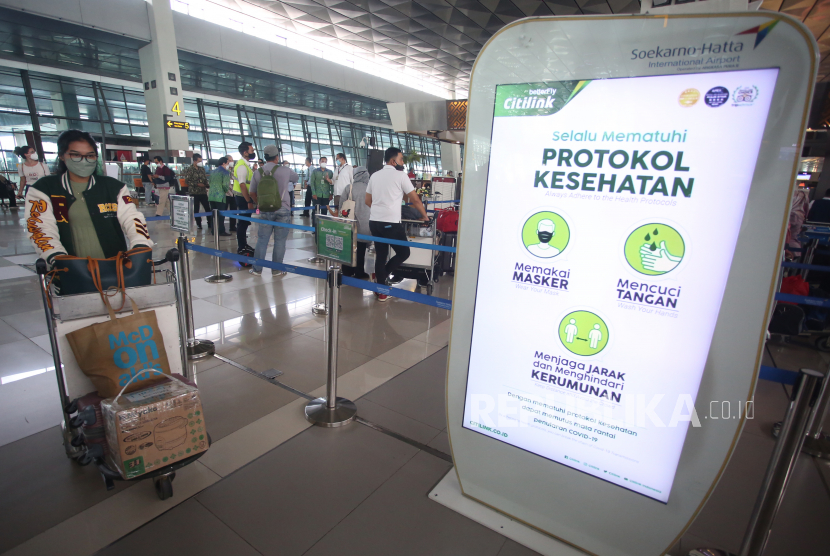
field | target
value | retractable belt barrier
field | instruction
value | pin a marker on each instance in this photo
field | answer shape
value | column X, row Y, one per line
column 816, row 267
column 802, row 299
column 400, row 293
column 774, row 374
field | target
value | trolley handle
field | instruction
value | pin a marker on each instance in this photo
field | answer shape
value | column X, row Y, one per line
column 170, row 257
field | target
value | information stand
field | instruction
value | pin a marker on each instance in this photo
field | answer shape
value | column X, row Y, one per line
column 336, row 243
column 181, row 213
column 631, row 186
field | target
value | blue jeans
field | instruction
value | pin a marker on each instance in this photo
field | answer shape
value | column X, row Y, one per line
column 264, row 232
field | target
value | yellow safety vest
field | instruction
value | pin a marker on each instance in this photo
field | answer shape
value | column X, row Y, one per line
column 236, row 188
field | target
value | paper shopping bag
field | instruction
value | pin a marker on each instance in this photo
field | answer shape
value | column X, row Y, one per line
column 110, row 353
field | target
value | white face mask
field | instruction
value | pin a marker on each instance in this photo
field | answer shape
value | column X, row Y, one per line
column 33, row 156
column 200, row 164
column 323, row 165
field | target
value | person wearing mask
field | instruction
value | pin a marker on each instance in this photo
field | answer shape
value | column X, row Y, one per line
column 197, row 187
column 387, row 188
column 357, row 192
column 243, row 173
column 147, row 180
column 308, row 170
column 219, row 185
column 343, row 174
column 79, row 212
column 161, row 178
column 321, row 187
column 293, row 184
column 30, row 169
column 231, row 199
column 283, row 176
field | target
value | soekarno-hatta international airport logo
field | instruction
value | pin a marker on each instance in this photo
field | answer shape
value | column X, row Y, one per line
column 654, row 249
column 583, row 333
column 545, row 234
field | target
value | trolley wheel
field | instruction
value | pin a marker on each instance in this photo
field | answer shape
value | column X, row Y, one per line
column 71, row 407
column 429, row 289
column 84, row 459
column 823, row 343
column 164, row 486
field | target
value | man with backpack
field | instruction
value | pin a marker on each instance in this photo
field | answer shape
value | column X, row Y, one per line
column 271, row 189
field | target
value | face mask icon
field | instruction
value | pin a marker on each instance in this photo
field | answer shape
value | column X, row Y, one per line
column 544, row 237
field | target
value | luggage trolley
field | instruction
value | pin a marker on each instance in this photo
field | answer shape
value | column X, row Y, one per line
column 65, row 314
column 421, row 262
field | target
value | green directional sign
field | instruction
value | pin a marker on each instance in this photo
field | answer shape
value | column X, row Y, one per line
column 336, row 239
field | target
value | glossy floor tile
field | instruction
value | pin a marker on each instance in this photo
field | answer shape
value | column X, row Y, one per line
column 205, row 535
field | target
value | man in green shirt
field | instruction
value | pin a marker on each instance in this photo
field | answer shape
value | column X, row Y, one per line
column 321, row 186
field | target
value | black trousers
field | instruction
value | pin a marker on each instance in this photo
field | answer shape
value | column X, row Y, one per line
column 321, row 206
column 7, row 194
column 242, row 225
column 202, row 200
column 359, row 270
column 231, row 202
column 307, row 200
column 388, row 230
column 219, row 206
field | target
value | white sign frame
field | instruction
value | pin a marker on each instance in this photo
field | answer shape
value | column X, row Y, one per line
column 179, row 206
column 578, row 509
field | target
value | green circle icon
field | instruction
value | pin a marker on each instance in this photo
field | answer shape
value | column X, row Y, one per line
column 654, row 249
column 545, row 235
column 583, row 333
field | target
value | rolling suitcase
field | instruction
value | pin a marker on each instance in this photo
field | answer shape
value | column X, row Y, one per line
column 446, row 261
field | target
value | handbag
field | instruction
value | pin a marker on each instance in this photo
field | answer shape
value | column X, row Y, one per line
column 74, row 275
column 447, row 220
column 348, row 206
column 120, row 354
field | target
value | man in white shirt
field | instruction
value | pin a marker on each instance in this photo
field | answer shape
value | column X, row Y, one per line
column 387, row 188
column 343, row 175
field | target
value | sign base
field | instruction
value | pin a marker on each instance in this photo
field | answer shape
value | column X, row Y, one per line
column 448, row 493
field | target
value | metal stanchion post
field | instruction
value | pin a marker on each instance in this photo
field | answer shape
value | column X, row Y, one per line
column 71, row 450
column 173, row 257
column 319, row 308
column 817, row 444
column 332, row 411
column 217, row 277
column 196, row 349
column 315, row 259
column 784, row 457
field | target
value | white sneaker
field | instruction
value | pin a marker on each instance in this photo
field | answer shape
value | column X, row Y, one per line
column 278, row 273
column 255, row 272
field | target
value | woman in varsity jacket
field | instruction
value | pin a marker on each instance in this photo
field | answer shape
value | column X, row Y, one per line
column 79, row 211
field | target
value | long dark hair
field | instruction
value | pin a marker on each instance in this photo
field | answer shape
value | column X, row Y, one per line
column 22, row 151
column 70, row 136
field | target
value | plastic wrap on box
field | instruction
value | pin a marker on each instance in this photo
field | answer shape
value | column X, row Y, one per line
column 153, row 427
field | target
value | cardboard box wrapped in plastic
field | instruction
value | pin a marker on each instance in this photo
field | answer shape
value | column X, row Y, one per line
column 153, row 427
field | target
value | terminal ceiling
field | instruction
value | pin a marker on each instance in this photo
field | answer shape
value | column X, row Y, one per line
column 441, row 38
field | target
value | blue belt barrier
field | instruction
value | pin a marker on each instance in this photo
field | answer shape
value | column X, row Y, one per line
column 203, row 214
column 154, row 218
column 774, row 374
column 235, row 212
column 304, row 208
column 803, row 299
column 270, row 223
column 817, row 268
column 437, row 202
column 314, row 273
column 407, row 243
column 439, row 302
column 359, row 236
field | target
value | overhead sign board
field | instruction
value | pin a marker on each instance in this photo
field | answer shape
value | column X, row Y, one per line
column 626, row 286
column 173, row 124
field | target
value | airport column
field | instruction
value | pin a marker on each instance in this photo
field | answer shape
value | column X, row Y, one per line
column 160, row 75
